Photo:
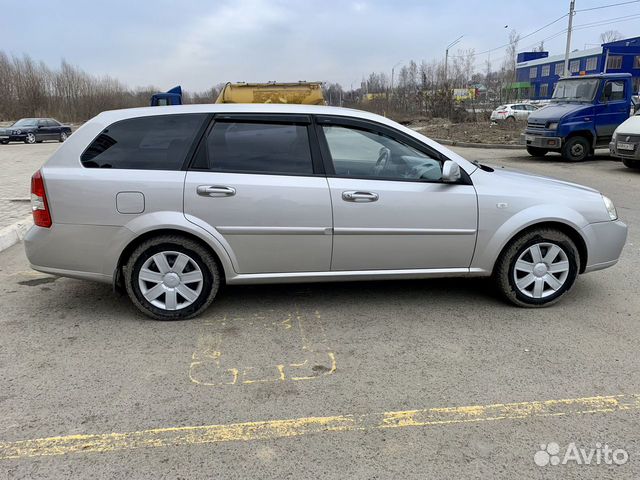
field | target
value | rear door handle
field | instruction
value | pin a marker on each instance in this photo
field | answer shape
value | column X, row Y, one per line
column 356, row 196
column 215, row 191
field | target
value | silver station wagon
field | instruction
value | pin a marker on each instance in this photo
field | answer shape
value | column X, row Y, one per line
column 171, row 202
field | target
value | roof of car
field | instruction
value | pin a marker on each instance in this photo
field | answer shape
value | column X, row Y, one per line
column 256, row 108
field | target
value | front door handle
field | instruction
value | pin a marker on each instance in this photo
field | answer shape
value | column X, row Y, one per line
column 356, row 196
column 215, row 191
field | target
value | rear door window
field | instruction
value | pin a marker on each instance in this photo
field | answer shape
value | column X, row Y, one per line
column 259, row 147
column 146, row 143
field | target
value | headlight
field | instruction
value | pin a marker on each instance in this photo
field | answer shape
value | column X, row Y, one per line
column 552, row 126
column 17, row 132
column 613, row 215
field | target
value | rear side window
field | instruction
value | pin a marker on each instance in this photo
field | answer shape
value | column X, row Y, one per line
column 146, row 143
column 271, row 148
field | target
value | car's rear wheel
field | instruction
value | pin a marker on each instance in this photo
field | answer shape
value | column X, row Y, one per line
column 63, row 137
column 30, row 138
column 631, row 163
column 171, row 277
column 576, row 149
column 537, row 268
column 511, row 119
column 537, row 151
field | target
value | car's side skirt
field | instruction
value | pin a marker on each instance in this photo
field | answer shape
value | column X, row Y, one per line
column 348, row 276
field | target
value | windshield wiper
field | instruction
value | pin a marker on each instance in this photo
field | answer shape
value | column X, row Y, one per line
column 485, row 168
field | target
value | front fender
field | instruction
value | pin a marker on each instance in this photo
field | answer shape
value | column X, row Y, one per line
column 576, row 125
column 490, row 245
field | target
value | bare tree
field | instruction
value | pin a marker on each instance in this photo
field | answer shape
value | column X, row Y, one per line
column 610, row 36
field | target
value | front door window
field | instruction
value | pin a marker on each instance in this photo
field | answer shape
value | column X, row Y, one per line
column 366, row 154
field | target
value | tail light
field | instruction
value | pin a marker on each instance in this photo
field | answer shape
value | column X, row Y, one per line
column 39, row 204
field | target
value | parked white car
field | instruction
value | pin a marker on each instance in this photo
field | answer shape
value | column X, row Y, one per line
column 625, row 142
column 512, row 112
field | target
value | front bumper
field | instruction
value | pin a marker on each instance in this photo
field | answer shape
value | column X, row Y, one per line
column 11, row 137
column 546, row 141
column 631, row 154
column 605, row 241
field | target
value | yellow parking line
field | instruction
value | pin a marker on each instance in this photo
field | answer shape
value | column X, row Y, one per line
column 272, row 429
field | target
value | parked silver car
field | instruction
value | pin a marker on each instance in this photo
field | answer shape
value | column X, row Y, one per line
column 171, row 202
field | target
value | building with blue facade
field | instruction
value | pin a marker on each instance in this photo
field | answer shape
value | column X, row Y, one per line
column 537, row 72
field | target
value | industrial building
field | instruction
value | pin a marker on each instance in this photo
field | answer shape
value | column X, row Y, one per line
column 537, row 72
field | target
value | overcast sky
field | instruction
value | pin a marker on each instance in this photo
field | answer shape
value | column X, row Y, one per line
column 199, row 43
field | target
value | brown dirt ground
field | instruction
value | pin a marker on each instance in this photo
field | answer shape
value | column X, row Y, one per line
column 480, row 132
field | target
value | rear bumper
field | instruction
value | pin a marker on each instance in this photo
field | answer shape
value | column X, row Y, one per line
column 89, row 252
column 605, row 241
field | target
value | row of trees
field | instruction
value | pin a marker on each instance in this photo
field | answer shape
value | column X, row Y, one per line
column 32, row 89
column 424, row 89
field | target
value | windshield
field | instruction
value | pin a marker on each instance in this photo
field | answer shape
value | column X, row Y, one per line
column 580, row 89
column 25, row 122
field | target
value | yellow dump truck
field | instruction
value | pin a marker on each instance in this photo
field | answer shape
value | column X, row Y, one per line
column 307, row 93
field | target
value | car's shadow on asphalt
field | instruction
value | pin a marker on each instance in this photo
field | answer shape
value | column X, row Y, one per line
column 68, row 298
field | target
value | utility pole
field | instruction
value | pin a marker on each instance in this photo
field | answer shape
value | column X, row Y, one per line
column 446, row 56
column 568, row 49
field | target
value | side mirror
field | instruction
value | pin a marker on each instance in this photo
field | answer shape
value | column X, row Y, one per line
column 450, row 172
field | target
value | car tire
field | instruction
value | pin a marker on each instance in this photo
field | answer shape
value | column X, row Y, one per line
column 523, row 271
column 576, row 149
column 30, row 138
column 537, row 151
column 5, row 142
column 511, row 119
column 63, row 137
column 162, row 296
column 631, row 163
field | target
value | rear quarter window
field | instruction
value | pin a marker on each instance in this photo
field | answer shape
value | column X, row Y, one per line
column 146, row 143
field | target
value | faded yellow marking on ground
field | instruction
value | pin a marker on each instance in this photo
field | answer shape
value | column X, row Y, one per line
column 273, row 429
column 309, row 358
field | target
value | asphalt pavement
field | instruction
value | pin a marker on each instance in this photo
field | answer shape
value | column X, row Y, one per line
column 404, row 379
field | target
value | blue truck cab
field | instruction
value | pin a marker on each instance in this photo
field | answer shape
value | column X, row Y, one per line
column 171, row 97
column 583, row 114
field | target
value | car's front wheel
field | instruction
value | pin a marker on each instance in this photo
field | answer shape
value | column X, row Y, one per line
column 30, row 138
column 537, row 268
column 576, row 149
column 63, row 137
column 171, row 277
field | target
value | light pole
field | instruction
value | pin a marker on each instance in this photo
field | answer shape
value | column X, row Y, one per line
column 446, row 55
